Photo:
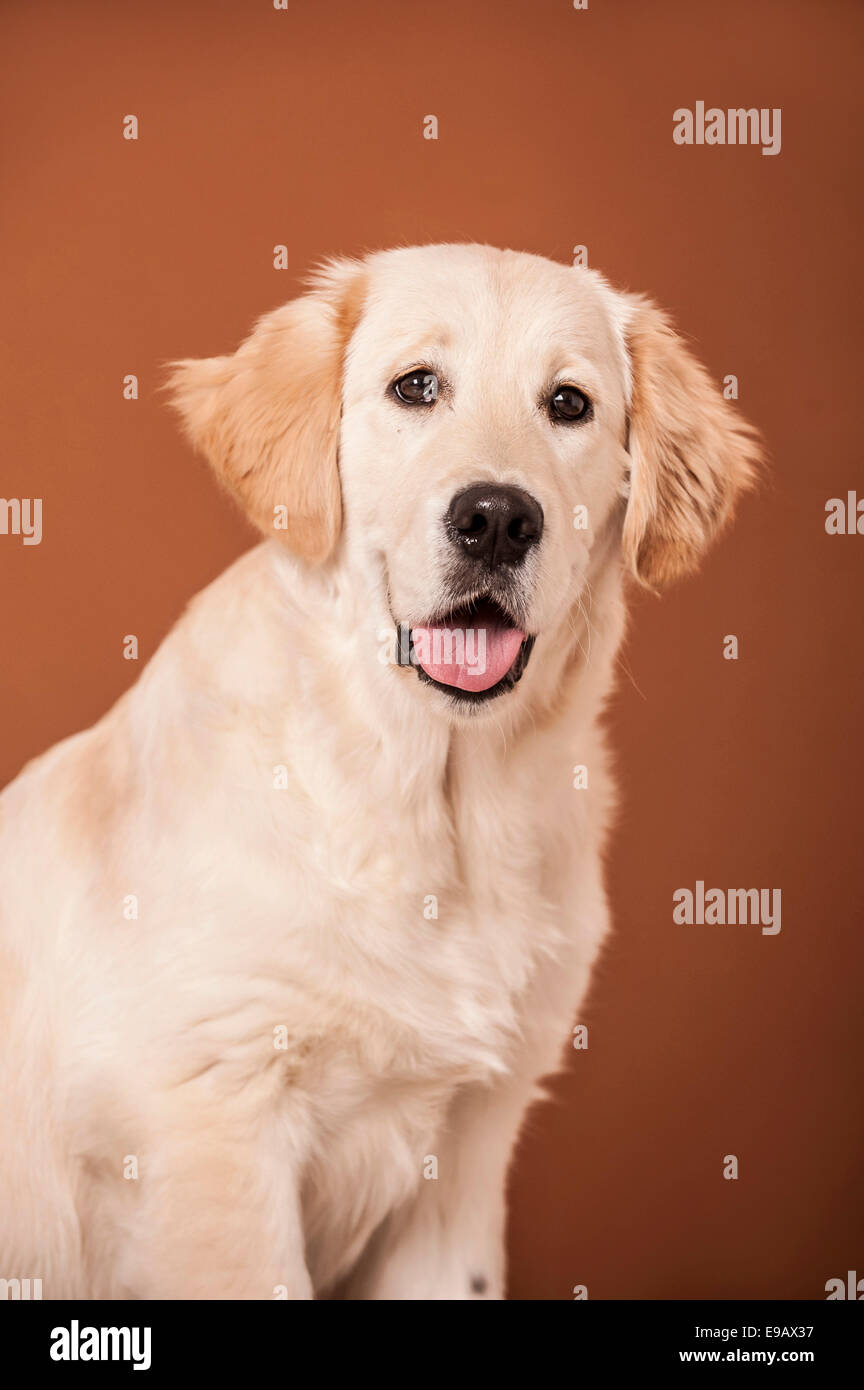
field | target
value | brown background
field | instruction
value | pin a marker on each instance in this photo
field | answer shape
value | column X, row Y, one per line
column 304, row 127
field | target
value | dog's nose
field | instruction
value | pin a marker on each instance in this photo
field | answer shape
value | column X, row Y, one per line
column 497, row 525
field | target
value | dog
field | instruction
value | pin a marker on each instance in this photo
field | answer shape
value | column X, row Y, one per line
column 290, row 938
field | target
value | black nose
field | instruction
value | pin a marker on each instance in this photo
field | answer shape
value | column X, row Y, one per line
column 497, row 525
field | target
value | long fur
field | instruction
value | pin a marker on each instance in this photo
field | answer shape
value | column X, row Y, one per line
column 287, row 939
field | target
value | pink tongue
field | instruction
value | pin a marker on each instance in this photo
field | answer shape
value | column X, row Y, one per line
column 471, row 659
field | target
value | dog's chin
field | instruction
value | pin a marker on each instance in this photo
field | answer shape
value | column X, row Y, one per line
column 471, row 655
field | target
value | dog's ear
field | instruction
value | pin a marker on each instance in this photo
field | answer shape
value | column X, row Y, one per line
column 691, row 454
column 267, row 418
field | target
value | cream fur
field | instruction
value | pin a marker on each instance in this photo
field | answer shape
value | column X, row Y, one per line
column 301, row 907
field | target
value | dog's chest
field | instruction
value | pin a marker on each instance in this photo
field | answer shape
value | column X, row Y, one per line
column 427, row 984
column 431, row 930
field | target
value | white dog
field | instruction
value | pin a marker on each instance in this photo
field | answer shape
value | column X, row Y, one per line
column 290, row 936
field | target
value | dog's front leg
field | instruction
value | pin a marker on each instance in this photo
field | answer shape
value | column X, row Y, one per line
column 219, row 1216
column 447, row 1241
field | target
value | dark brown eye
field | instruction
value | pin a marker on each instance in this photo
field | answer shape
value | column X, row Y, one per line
column 419, row 387
column 569, row 403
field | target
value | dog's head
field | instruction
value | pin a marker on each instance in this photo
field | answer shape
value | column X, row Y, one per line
column 467, row 434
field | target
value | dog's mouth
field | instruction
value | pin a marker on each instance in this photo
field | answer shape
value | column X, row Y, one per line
column 474, row 652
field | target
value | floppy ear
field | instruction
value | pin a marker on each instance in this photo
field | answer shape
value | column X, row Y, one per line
column 267, row 419
column 691, row 454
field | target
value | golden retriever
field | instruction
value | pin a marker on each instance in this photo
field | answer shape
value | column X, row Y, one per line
column 289, row 937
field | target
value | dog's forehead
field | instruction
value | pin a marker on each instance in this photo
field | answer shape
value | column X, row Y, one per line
column 465, row 299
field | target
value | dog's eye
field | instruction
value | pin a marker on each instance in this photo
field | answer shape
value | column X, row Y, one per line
column 569, row 403
column 419, row 387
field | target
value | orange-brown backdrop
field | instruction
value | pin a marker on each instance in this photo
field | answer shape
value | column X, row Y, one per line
column 261, row 126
